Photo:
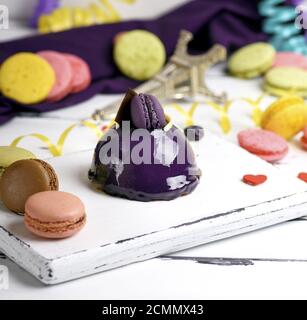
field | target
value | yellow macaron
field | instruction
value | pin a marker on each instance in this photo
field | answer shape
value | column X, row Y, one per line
column 26, row 78
column 286, row 117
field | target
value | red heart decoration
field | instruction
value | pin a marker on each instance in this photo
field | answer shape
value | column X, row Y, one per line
column 303, row 176
column 254, row 180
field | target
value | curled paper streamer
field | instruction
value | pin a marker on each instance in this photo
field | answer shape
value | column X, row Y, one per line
column 187, row 114
column 257, row 112
column 222, row 109
column 69, row 17
column 57, row 148
column 225, row 123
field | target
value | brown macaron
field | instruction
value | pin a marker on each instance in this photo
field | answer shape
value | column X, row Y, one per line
column 24, row 178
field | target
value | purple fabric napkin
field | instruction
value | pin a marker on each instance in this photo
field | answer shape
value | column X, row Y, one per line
column 231, row 23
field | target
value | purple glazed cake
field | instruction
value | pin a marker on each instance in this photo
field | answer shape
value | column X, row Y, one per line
column 143, row 157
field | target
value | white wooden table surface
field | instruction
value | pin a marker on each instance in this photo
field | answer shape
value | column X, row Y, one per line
column 269, row 263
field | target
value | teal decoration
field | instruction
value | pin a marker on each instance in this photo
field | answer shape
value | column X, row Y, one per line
column 279, row 23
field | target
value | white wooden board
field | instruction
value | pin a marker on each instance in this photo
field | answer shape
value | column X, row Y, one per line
column 120, row 231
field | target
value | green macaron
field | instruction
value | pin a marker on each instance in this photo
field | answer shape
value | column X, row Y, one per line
column 286, row 80
column 139, row 54
column 10, row 154
column 252, row 60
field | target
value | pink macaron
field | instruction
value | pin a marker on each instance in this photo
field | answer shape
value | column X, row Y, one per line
column 263, row 143
column 54, row 214
column 63, row 72
column 290, row 59
column 81, row 73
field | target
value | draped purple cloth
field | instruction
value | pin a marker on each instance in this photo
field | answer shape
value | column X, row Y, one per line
column 231, row 23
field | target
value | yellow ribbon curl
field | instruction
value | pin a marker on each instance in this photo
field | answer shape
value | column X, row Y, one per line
column 188, row 115
column 56, row 149
column 222, row 109
column 225, row 123
column 257, row 112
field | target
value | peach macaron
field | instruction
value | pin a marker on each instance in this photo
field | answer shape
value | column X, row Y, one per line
column 54, row 214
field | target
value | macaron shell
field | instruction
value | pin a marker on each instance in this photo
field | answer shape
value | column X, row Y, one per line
column 147, row 113
column 286, row 117
column 26, row 78
column 139, row 113
column 63, row 72
column 274, row 157
column 139, row 54
column 253, row 73
column 265, row 144
column 279, row 106
column 24, row 178
column 251, row 60
column 10, row 154
column 81, row 73
column 62, row 207
column 63, row 217
column 289, row 78
column 290, row 59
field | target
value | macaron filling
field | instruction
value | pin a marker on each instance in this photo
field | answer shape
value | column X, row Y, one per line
column 281, row 79
column 152, row 121
column 252, row 73
column 147, row 113
column 278, row 91
column 53, row 179
column 272, row 157
column 54, row 227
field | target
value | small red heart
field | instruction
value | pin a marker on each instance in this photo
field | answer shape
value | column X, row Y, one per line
column 254, row 180
column 303, row 176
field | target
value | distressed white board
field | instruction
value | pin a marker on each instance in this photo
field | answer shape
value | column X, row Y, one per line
column 120, row 231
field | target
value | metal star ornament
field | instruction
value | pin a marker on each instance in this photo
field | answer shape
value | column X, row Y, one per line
column 183, row 77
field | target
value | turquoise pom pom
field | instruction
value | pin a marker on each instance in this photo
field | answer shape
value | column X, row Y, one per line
column 279, row 23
